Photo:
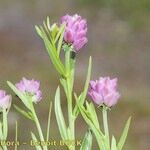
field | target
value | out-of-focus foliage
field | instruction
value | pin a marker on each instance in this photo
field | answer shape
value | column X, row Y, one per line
column 135, row 11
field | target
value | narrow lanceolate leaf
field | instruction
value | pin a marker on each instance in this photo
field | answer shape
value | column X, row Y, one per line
column 113, row 144
column 51, row 49
column 97, row 132
column 20, row 95
column 38, row 31
column 61, row 36
column 91, row 110
column 38, row 147
column 24, row 113
column 87, row 141
column 61, row 30
column 48, row 22
column 63, row 83
column 48, row 123
column 84, row 93
column 46, row 28
column 86, row 86
column 59, row 115
column 5, row 124
column 124, row 135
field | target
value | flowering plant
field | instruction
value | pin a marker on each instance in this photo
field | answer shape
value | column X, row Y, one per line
column 67, row 37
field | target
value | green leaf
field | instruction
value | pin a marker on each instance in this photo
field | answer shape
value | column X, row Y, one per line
column 84, row 93
column 62, row 30
column 87, row 141
column 48, row 123
column 24, row 113
column 51, row 49
column 35, row 139
column 46, row 28
column 97, row 132
column 48, row 22
column 86, row 86
column 22, row 97
column 38, row 31
column 124, row 135
column 63, row 83
column 59, row 115
column 91, row 110
column 113, row 144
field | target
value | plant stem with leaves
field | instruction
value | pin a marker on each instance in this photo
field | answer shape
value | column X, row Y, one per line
column 54, row 42
column 27, row 100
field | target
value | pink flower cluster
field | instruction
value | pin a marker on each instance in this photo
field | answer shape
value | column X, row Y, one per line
column 5, row 100
column 31, row 87
column 104, row 91
column 75, row 32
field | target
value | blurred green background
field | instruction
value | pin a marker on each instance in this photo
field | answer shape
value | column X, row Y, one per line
column 119, row 42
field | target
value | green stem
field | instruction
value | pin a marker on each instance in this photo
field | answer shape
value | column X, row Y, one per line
column 38, row 127
column 5, row 124
column 5, row 127
column 106, row 129
column 16, row 136
column 69, row 83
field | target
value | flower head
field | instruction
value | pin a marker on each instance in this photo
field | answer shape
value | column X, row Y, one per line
column 104, row 91
column 75, row 32
column 5, row 100
column 31, row 88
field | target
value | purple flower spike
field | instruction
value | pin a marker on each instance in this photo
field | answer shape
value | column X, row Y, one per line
column 30, row 87
column 76, row 29
column 5, row 100
column 104, row 91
